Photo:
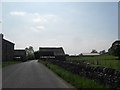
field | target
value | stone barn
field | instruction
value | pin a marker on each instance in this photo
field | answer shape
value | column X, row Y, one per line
column 52, row 53
column 20, row 55
column 6, row 49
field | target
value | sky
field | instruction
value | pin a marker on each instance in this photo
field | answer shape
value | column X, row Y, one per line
column 60, row 0
column 118, row 20
column 78, row 27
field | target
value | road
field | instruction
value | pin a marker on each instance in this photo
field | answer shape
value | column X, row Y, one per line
column 31, row 74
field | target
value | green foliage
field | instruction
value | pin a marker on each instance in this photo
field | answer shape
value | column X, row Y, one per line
column 30, row 56
column 7, row 63
column 115, row 49
column 30, row 53
column 102, row 52
column 93, row 51
column 102, row 61
column 75, row 80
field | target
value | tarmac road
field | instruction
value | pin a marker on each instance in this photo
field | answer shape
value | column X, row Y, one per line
column 31, row 74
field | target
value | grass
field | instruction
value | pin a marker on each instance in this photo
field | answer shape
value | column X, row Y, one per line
column 75, row 80
column 101, row 61
column 7, row 63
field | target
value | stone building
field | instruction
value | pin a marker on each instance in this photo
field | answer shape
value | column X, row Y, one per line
column 20, row 54
column 52, row 53
column 6, row 49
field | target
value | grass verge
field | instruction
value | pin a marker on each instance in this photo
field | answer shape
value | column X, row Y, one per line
column 7, row 63
column 75, row 80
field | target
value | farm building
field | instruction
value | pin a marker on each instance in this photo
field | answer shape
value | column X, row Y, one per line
column 6, row 49
column 89, row 54
column 52, row 53
column 20, row 55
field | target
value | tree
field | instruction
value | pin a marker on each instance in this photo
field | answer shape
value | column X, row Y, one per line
column 102, row 52
column 94, row 51
column 31, row 49
column 27, row 51
column 37, row 55
column 115, row 49
column 30, row 52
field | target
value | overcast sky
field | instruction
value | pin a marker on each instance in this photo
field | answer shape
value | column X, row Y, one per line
column 76, row 26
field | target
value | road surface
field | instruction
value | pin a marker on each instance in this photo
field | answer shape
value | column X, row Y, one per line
column 31, row 74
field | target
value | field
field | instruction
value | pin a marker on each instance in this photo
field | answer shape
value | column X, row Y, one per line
column 102, row 61
column 75, row 80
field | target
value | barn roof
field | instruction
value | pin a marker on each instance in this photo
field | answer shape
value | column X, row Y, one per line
column 57, row 50
column 8, row 41
column 4, row 40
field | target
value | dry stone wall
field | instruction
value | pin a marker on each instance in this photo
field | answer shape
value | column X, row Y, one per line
column 106, row 76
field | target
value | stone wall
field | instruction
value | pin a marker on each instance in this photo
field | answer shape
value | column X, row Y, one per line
column 105, row 76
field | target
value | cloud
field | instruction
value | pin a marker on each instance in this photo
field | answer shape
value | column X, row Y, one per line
column 35, row 21
column 44, row 18
column 17, row 13
column 35, row 17
column 38, row 28
column 39, row 19
column 50, row 16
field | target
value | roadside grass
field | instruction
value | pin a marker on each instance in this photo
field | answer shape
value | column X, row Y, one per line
column 99, row 61
column 75, row 80
column 7, row 63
